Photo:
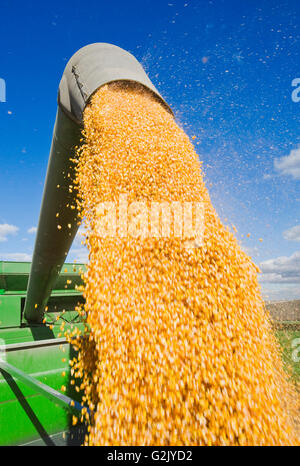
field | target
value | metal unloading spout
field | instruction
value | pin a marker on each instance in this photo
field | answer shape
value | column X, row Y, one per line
column 89, row 69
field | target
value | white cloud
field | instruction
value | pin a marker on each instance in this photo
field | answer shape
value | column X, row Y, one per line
column 79, row 238
column 293, row 234
column 290, row 164
column 251, row 251
column 15, row 256
column 286, row 266
column 280, row 277
column 6, row 230
column 79, row 255
column 267, row 176
column 281, row 293
column 78, row 251
column 32, row 230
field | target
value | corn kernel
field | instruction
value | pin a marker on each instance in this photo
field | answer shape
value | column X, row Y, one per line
column 179, row 349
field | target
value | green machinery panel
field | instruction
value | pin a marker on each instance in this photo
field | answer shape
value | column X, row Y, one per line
column 41, row 352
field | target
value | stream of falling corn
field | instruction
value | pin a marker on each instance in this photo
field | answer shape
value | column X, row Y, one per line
column 178, row 348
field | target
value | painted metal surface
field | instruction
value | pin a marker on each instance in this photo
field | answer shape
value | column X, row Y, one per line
column 41, row 354
column 27, row 414
column 41, row 388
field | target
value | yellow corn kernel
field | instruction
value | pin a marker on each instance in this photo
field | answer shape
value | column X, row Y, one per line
column 178, row 348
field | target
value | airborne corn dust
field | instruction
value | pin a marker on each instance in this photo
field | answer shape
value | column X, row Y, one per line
column 179, row 349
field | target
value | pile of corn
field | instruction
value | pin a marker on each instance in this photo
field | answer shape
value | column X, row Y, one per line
column 179, row 349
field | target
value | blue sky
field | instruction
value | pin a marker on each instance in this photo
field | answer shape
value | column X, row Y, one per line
column 226, row 69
